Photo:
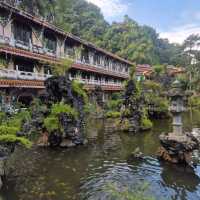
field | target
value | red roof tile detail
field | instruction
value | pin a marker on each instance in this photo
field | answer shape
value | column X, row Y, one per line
column 21, row 84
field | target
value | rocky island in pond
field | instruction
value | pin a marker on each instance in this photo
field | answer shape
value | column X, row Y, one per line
column 178, row 146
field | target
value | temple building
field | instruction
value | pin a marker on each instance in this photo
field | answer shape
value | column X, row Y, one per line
column 28, row 46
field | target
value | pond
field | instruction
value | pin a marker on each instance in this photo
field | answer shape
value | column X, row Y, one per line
column 86, row 172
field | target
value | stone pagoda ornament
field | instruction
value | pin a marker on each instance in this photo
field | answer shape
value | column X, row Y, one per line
column 177, row 146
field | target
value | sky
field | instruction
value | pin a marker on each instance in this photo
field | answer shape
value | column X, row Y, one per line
column 172, row 19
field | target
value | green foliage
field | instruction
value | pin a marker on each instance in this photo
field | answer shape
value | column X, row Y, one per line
column 113, row 105
column 113, row 114
column 61, row 68
column 9, row 138
column 79, row 90
column 2, row 117
column 3, row 62
column 145, row 122
column 10, row 126
column 123, row 125
column 59, row 108
column 17, row 119
column 51, row 124
column 116, row 96
column 128, row 39
column 139, row 193
column 152, row 85
column 194, row 101
column 158, row 70
column 6, row 130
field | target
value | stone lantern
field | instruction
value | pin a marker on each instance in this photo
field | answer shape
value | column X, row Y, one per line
column 177, row 107
column 177, row 146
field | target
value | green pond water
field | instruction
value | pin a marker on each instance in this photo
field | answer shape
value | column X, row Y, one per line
column 86, row 172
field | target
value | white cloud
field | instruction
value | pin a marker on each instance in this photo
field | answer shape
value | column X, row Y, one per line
column 179, row 34
column 111, row 8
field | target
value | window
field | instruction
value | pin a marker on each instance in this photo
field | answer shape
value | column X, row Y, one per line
column 22, row 33
column 50, row 42
column 23, row 65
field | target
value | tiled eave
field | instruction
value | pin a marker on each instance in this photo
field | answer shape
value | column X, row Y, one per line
column 6, row 83
column 27, row 54
column 50, row 59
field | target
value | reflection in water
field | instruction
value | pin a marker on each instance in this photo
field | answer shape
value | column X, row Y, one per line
column 85, row 172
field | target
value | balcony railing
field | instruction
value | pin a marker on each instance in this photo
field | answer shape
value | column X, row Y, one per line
column 96, row 82
column 101, row 67
column 14, row 74
column 41, row 50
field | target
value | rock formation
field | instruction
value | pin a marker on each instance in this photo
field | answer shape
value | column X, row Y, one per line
column 177, row 146
column 59, row 88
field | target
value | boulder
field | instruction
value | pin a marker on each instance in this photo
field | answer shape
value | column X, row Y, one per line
column 66, row 143
column 177, row 148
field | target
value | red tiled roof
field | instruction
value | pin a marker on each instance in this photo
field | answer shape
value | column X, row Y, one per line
column 145, row 70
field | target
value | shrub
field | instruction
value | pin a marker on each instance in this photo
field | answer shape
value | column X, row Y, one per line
column 79, row 91
column 194, row 101
column 2, row 117
column 17, row 119
column 126, row 113
column 9, row 138
column 123, row 125
column 113, row 114
column 152, row 85
column 113, row 105
column 6, row 130
column 63, row 108
column 146, row 123
column 61, row 68
column 51, row 124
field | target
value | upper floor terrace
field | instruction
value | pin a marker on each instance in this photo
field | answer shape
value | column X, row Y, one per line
column 23, row 31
